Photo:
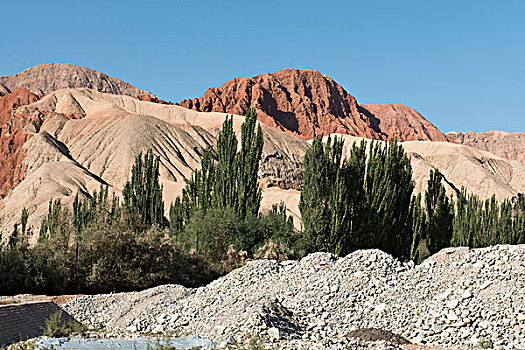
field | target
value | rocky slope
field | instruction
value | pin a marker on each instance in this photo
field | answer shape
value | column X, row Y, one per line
column 401, row 122
column 46, row 78
column 509, row 145
column 460, row 296
column 306, row 103
column 27, row 87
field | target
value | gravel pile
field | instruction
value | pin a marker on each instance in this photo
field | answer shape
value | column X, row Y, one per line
column 458, row 297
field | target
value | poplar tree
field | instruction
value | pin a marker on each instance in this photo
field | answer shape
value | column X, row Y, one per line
column 54, row 221
column 420, row 241
column 23, row 219
column 228, row 181
column 332, row 196
column 439, row 212
column 388, row 191
column 197, row 194
column 506, row 232
column 313, row 203
column 461, row 232
column 347, row 199
column 143, row 193
column 248, row 191
column 518, row 223
column 225, row 189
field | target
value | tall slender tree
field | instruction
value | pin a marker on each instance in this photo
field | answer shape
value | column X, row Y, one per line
column 420, row 242
column 225, row 189
column 314, row 204
column 248, row 191
column 439, row 213
column 143, row 193
column 388, row 189
column 332, row 196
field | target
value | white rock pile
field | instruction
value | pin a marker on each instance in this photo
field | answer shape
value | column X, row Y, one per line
column 458, row 297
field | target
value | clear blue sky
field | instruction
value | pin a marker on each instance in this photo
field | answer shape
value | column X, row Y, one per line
column 459, row 63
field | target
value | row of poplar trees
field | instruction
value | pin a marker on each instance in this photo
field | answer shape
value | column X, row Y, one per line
column 228, row 183
column 354, row 198
column 357, row 196
column 142, row 207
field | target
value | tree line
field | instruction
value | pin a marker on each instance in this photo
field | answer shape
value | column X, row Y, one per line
column 358, row 200
column 365, row 200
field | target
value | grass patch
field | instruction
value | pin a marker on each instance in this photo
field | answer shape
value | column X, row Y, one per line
column 57, row 327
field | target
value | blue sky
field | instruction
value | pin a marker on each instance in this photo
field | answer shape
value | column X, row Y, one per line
column 459, row 63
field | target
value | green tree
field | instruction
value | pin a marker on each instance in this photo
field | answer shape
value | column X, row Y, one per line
column 314, row 204
column 228, row 183
column 388, row 192
column 143, row 193
column 420, row 242
column 55, row 221
column 460, row 224
column 23, row 219
column 433, row 224
column 332, row 196
column 225, row 191
column 439, row 212
column 198, row 192
column 248, row 159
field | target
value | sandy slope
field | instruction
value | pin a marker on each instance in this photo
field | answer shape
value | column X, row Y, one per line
column 90, row 138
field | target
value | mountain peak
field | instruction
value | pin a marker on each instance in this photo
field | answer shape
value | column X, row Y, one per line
column 45, row 78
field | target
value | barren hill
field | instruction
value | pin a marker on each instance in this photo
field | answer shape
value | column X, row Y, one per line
column 306, row 103
column 26, row 87
column 85, row 138
column 46, row 78
column 510, row 145
column 401, row 122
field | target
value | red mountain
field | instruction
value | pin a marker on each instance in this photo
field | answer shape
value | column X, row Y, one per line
column 306, row 103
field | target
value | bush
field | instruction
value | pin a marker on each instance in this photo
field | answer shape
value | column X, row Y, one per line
column 211, row 234
column 107, row 255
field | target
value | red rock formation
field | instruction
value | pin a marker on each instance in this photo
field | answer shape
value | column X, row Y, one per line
column 8, row 102
column 149, row 98
column 306, row 103
column 12, row 138
column 301, row 102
